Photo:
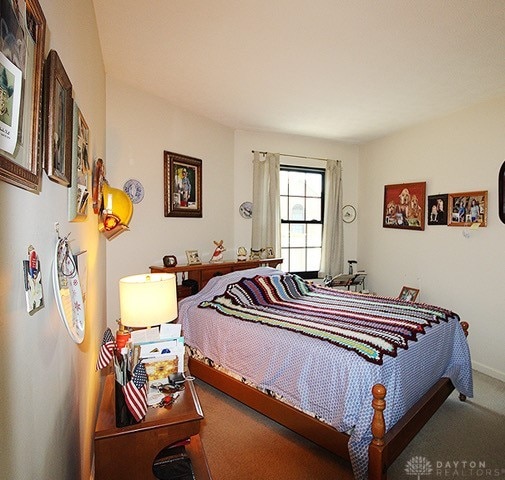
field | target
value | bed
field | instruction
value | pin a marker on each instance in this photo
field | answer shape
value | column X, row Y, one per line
column 253, row 335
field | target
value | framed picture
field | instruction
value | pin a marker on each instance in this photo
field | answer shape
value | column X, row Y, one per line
column 409, row 294
column 468, row 208
column 437, row 209
column 97, row 177
column 79, row 192
column 21, row 71
column 501, row 193
column 58, row 105
column 404, row 206
column 183, row 185
column 193, row 257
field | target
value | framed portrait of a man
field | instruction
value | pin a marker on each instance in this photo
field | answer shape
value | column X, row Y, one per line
column 183, row 185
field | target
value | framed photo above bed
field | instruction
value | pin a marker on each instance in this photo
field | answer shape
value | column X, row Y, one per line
column 437, row 209
column 404, row 206
column 183, row 185
column 467, row 209
column 21, row 70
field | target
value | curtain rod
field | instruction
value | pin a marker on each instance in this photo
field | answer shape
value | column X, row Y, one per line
column 296, row 156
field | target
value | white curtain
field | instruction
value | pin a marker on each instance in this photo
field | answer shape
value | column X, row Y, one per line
column 266, row 219
column 332, row 257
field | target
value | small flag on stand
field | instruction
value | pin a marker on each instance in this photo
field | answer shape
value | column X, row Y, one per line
column 135, row 392
column 106, row 350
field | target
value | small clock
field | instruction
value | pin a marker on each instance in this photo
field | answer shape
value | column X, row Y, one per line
column 348, row 214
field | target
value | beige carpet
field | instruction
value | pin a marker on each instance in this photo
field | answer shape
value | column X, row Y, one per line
column 243, row 445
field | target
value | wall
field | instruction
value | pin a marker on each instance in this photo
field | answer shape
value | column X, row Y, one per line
column 246, row 141
column 458, row 153
column 49, row 386
column 139, row 128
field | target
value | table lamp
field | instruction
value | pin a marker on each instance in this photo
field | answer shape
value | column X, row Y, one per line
column 148, row 299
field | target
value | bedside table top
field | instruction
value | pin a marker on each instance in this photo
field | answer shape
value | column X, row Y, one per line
column 185, row 409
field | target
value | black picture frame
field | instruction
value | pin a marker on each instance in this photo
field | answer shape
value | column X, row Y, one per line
column 182, row 185
column 23, row 167
column 437, row 209
column 501, row 193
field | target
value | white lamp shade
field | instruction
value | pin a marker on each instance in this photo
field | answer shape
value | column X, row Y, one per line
column 148, row 299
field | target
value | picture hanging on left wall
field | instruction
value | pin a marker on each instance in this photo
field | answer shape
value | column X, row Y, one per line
column 21, row 57
column 79, row 192
column 58, row 113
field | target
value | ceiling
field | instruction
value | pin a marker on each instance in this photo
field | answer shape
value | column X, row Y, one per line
column 345, row 70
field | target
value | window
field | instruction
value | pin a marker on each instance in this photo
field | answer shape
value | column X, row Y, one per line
column 302, row 214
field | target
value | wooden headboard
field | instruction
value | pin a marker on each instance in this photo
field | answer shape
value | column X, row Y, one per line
column 202, row 273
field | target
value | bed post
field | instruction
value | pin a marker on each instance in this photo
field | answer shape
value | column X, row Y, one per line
column 464, row 326
column 376, row 468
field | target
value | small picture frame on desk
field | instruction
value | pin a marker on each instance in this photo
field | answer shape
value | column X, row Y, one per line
column 193, row 257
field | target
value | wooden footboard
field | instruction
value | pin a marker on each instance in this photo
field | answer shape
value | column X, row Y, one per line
column 384, row 448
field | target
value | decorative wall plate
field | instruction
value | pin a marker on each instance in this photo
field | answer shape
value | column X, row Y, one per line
column 348, row 214
column 67, row 291
column 246, row 210
column 134, row 189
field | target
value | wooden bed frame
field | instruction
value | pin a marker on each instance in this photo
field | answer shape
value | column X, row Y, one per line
column 384, row 448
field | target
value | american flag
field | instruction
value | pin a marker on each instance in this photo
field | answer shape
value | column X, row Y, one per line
column 106, row 350
column 135, row 392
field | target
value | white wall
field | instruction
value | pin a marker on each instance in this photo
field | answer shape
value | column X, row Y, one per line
column 48, row 386
column 246, row 141
column 139, row 128
column 458, row 153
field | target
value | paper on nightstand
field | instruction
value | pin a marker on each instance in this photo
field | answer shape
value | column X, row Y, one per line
column 170, row 330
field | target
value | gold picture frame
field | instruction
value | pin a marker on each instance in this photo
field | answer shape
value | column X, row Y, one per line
column 79, row 192
column 409, row 294
column 467, row 208
column 22, row 166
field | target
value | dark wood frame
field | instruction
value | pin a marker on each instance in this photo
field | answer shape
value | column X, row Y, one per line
column 397, row 214
column 171, row 163
column 58, row 113
column 467, row 197
column 23, row 169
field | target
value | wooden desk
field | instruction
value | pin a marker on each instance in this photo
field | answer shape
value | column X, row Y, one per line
column 204, row 272
column 129, row 452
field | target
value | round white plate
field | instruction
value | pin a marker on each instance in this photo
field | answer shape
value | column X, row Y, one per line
column 134, row 189
column 246, row 209
column 67, row 291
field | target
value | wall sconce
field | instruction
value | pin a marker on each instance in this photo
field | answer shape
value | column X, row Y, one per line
column 116, row 212
column 148, row 299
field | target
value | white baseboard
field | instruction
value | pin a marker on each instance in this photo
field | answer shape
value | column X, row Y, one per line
column 492, row 372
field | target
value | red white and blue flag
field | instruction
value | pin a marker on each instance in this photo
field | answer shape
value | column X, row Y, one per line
column 135, row 392
column 106, row 350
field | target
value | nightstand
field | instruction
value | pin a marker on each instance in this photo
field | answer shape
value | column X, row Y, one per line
column 129, row 452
